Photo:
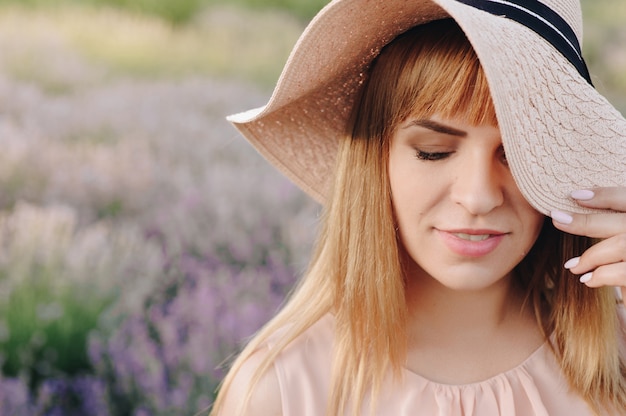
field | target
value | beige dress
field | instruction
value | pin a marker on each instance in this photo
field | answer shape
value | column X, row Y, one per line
column 535, row 387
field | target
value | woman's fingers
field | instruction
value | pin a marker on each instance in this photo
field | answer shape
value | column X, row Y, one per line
column 597, row 225
column 603, row 264
column 602, row 225
column 607, row 275
column 613, row 198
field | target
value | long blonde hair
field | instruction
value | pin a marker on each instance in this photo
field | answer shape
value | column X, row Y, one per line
column 356, row 272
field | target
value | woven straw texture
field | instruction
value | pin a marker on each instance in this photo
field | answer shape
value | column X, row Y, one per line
column 559, row 133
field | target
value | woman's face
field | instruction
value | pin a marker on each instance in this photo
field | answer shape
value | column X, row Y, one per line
column 461, row 218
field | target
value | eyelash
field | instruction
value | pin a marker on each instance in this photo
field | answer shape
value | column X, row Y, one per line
column 505, row 161
column 434, row 156
column 431, row 156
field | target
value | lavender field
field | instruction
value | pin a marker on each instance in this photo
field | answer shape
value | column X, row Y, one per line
column 141, row 238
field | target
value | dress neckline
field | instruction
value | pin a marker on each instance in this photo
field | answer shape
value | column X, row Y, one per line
column 521, row 367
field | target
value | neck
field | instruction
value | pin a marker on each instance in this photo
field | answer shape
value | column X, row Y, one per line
column 442, row 314
column 465, row 336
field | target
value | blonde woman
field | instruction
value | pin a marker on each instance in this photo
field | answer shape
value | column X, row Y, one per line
column 465, row 162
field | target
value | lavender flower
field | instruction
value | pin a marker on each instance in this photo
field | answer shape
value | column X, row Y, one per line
column 136, row 198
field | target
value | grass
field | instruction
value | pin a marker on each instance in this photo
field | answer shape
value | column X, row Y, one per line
column 180, row 11
column 47, row 328
column 64, row 47
column 66, row 44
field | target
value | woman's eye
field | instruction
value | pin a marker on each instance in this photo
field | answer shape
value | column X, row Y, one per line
column 421, row 155
column 503, row 158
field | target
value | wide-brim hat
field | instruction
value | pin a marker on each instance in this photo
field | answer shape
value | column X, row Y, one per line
column 558, row 132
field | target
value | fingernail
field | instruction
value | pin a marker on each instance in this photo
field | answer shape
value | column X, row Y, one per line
column 583, row 195
column 586, row 277
column 573, row 262
column 561, row 217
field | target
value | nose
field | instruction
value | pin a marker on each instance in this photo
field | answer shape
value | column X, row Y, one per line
column 478, row 185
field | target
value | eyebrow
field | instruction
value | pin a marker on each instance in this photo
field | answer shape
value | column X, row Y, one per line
column 438, row 127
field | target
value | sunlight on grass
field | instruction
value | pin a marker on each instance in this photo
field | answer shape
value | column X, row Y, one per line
column 219, row 42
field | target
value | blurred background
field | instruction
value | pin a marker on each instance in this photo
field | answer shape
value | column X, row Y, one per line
column 141, row 238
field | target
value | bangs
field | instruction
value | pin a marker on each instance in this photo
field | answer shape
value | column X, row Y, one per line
column 454, row 87
column 441, row 75
column 429, row 70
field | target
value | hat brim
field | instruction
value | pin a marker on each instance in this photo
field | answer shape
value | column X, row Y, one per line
column 558, row 132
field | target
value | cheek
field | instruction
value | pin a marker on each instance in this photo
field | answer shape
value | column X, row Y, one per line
column 409, row 197
column 536, row 219
column 401, row 188
column 405, row 201
column 412, row 185
column 531, row 218
column 533, row 221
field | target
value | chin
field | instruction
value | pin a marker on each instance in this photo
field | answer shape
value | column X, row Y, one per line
column 469, row 285
column 469, row 278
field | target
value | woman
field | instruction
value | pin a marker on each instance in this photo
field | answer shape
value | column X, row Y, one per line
column 441, row 136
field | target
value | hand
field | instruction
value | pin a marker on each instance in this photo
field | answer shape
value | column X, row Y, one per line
column 604, row 264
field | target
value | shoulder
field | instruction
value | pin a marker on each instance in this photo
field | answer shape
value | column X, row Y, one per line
column 299, row 374
column 265, row 396
column 303, row 369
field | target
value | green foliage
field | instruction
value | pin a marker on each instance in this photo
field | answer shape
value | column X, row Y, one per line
column 45, row 328
column 304, row 9
column 178, row 11
column 56, row 279
column 69, row 48
column 111, row 209
column 181, row 11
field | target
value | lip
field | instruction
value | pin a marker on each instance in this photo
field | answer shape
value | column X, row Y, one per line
column 459, row 242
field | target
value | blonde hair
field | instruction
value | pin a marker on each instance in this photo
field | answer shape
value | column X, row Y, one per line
column 356, row 272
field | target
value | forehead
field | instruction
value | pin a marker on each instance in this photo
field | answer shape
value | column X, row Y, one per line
column 438, row 126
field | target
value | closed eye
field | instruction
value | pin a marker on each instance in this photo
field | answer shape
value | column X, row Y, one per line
column 502, row 155
column 421, row 155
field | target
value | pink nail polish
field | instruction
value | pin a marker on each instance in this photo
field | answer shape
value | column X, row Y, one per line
column 573, row 262
column 583, row 195
column 561, row 217
column 586, row 277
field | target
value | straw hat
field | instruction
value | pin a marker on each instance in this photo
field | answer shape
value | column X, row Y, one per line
column 558, row 132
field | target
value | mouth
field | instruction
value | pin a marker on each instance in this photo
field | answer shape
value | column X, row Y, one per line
column 472, row 237
column 472, row 243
